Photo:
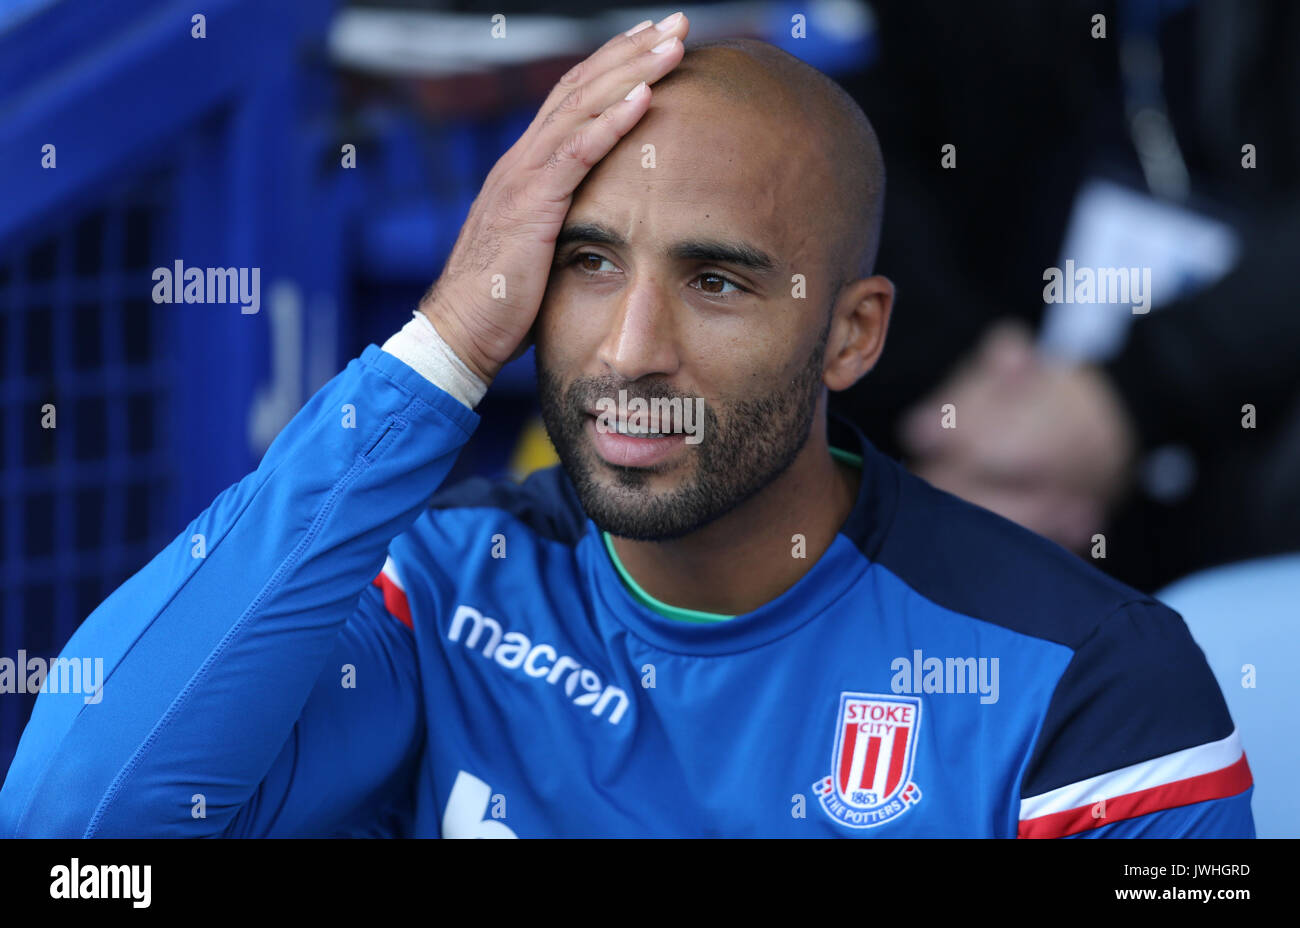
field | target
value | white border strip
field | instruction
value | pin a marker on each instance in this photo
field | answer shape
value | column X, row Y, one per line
column 390, row 571
column 1159, row 771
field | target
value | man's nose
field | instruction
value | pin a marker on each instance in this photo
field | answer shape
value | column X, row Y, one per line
column 642, row 335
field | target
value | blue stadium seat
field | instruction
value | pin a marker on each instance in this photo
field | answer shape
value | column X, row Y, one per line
column 1246, row 617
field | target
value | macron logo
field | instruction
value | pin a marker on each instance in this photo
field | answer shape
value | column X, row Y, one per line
column 513, row 651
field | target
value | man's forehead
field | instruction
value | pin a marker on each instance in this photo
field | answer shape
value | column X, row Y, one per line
column 698, row 141
column 702, row 174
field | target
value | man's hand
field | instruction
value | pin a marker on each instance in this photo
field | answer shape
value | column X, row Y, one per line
column 485, row 302
column 1048, row 446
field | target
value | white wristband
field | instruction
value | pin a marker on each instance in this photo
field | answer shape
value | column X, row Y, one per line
column 420, row 346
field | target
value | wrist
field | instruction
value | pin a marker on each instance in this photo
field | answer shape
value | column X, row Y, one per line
column 454, row 337
column 421, row 346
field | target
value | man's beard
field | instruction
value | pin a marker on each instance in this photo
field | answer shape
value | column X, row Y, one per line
column 739, row 456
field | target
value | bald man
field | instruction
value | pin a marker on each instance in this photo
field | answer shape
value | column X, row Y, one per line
column 722, row 615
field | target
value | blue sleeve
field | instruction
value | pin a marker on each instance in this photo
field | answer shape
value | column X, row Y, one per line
column 222, row 657
column 349, row 764
column 1137, row 740
column 1215, row 818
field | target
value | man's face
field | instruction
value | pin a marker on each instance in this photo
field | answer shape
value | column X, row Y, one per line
column 643, row 315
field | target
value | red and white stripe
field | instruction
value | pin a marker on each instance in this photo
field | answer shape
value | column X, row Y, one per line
column 394, row 593
column 866, row 762
column 1208, row 771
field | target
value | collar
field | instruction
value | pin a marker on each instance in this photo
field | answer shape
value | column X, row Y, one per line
column 849, row 554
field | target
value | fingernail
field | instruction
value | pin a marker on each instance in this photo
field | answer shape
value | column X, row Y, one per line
column 635, row 91
column 638, row 27
column 668, row 22
column 664, row 46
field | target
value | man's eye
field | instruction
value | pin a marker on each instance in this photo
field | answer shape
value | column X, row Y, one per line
column 588, row 256
column 589, row 263
column 714, row 281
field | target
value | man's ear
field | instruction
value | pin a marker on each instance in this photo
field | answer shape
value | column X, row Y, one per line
column 859, row 322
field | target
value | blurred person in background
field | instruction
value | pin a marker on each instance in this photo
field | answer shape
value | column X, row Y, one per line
column 1167, row 137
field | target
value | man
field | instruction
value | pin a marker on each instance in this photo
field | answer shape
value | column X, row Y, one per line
column 708, row 622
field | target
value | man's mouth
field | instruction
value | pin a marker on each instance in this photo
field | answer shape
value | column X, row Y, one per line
column 642, row 430
column 632, row 444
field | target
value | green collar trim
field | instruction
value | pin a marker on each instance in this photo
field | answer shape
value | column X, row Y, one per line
column 669, row 611
column 848, row 457
column 658, row 605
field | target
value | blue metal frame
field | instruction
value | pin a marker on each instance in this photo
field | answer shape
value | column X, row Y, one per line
column 227, row 135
